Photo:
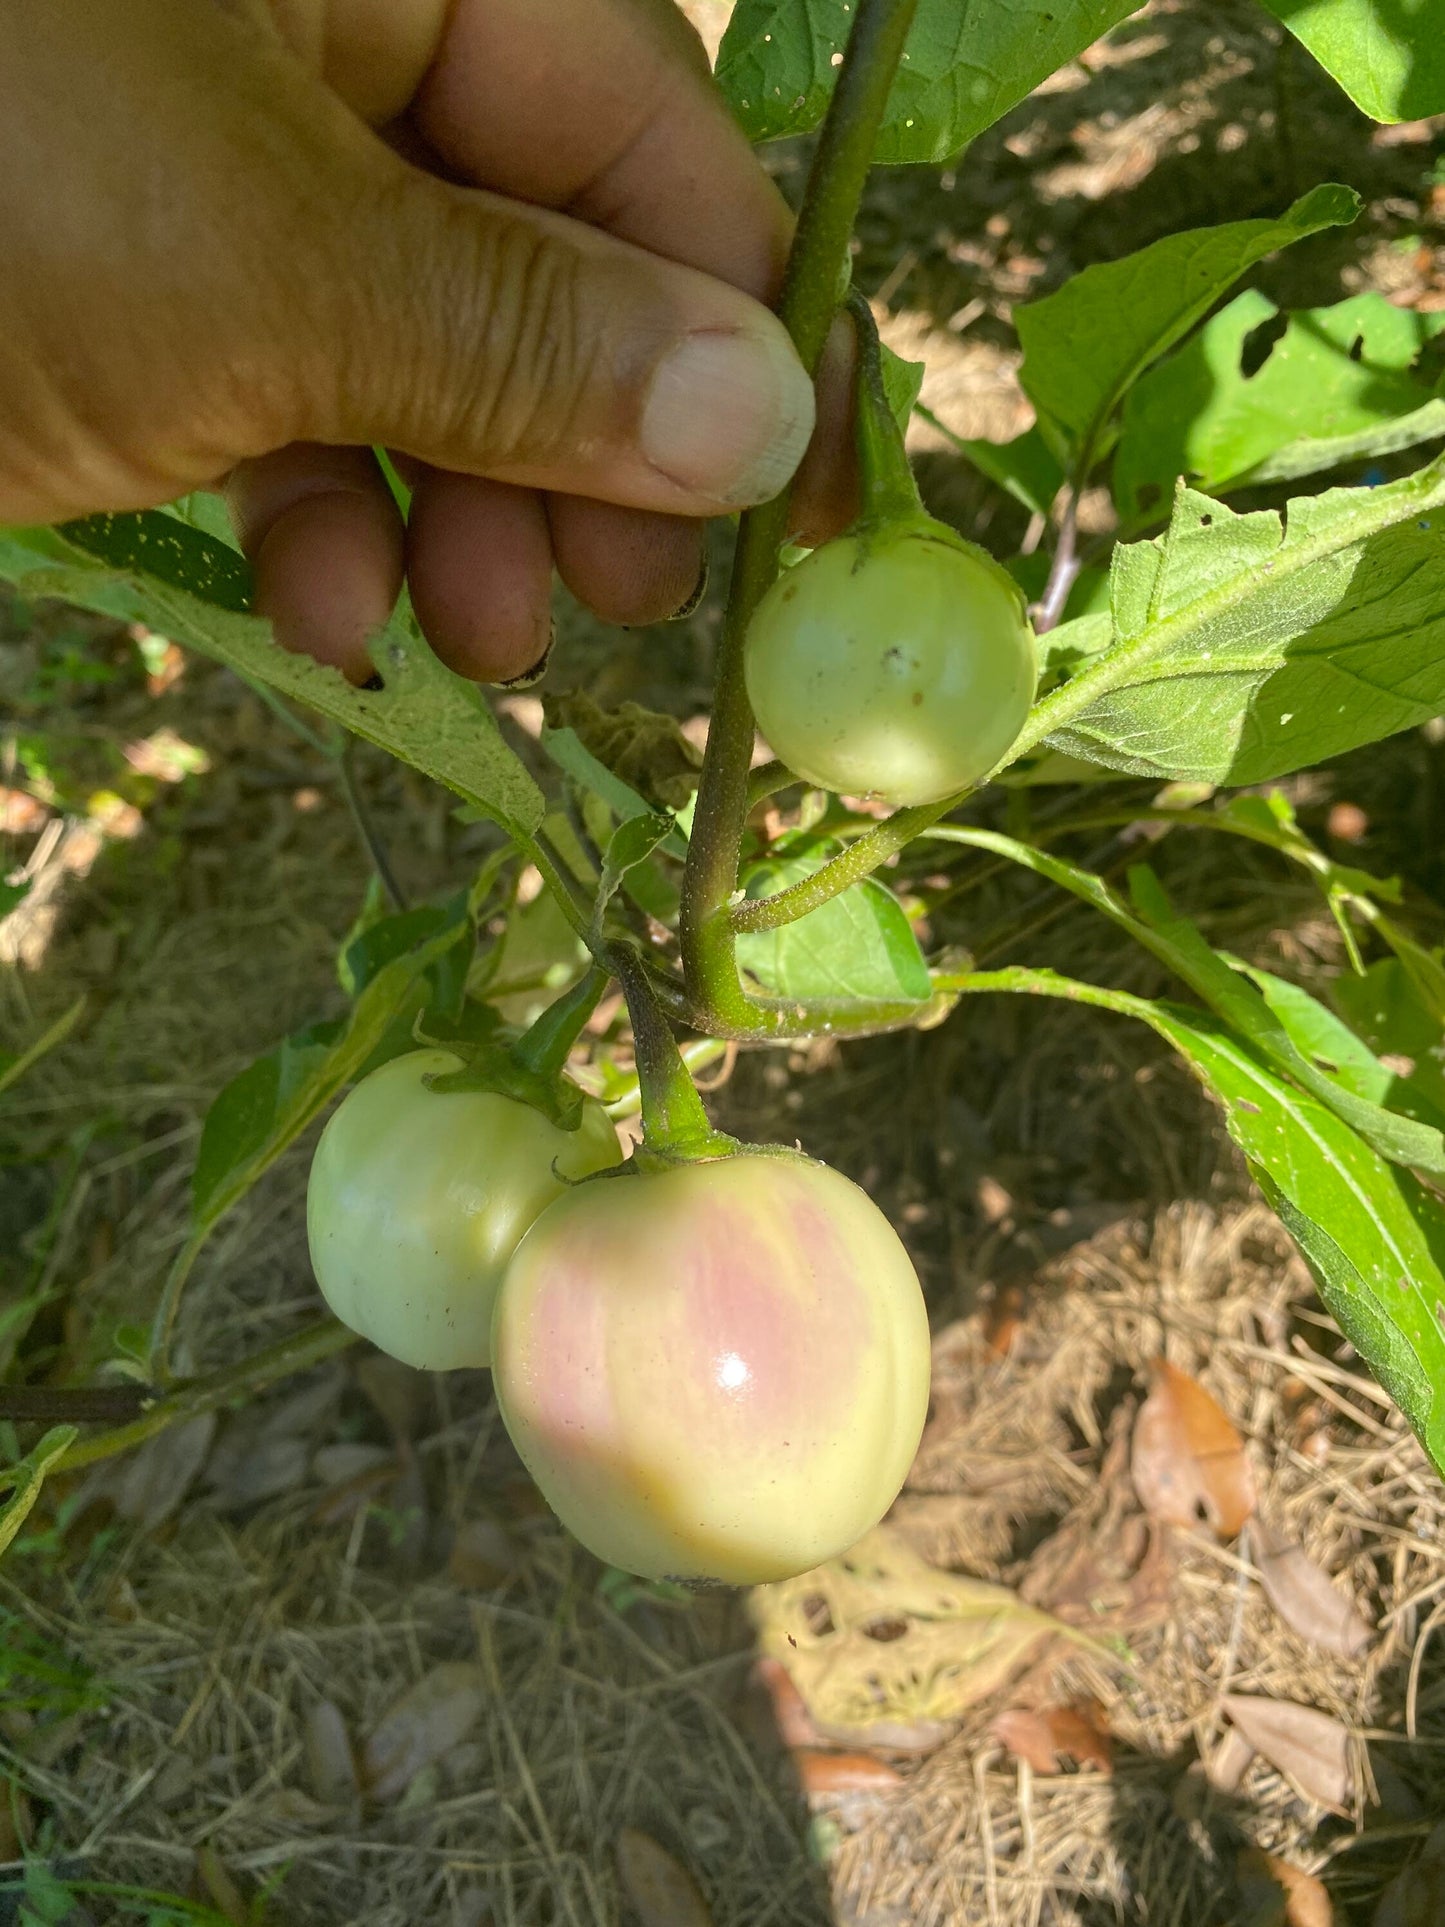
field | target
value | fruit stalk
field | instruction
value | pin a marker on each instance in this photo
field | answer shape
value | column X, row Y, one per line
column 808, row 304
column 545, row 1048
column 674, row 1123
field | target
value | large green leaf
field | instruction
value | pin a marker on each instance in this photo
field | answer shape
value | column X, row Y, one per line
column 1388, row 55
column 857, row 944
column 1085, row 345
column 156, row 569
column 1339, row 385
column 1373, row 1237
column 1180, row 947
column 964, row 65
column 1247, row 646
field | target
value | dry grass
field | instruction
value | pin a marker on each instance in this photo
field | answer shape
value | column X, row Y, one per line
column 1035, row 1149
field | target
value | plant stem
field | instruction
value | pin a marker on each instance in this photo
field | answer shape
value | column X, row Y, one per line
column 1064, row 569
column 365, row 828
column 674, row 1122
column 558, row 877
column 859, row 860
column 297, row 1353
column 71, row 1404
column 545, row 1048
column 167, row 1309
column 808, row 304
column 766, row 781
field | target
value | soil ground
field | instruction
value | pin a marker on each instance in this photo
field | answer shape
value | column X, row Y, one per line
column 194, row 1649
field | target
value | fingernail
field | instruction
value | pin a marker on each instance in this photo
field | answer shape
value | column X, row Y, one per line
column 729, row 415
column 689, row 607
column 538, row 670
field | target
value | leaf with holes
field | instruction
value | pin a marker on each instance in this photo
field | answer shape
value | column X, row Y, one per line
column 1085, row 346
column 1339, row 384
column 154, row 569
column 1248, row 646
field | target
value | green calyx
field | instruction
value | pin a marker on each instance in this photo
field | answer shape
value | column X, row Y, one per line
column 530, row 1067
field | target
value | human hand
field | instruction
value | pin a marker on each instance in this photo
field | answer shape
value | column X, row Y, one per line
column 542, row 288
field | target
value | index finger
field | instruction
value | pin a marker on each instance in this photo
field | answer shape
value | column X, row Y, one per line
column 606, row 110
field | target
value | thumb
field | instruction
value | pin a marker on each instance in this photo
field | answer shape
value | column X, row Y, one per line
column 482, row 335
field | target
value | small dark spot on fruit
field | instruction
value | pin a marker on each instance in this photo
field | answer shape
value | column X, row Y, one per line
column 917, row 697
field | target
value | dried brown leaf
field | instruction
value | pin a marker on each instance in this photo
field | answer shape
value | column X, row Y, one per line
column 482, row 1557
column 791, row 1718
column 820, row 1772
column 1310, row 1748
column 662, row 1891
column 330, row 1762
column 1230, row 1761
column 1188, row 1461
column 1279, row 1895
column 429, row 1719
column 147, row 1487
column 14, row 1822
column 245, row 1470
column 912, row 1738
column 214, row 1878
column 346, row 1460
column 1043, row 1735
column 1306, row 1598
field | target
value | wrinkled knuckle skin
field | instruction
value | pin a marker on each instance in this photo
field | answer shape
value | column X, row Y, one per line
column 510, row 386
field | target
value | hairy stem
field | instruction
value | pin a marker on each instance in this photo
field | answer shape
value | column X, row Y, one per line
column 674, row 1122
column 859, row 860
column 288, row 1356
column 71, row 1404
column 809, row 302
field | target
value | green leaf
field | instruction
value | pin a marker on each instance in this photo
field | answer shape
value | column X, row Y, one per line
column 12, row 893
column 902, row 383
column 1338, row 385
column 267, row 1107
column 381, row 940
column 1384, row 1006
column 858, row 944
column 1247, row 646
column 1373, row 1237
column 964, row 65
column 574, row 759
column 632, row 842
column 25, row 1479
column 1388, row 55
column 1180, row 947
column 1085, row 345
column 155, row 569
